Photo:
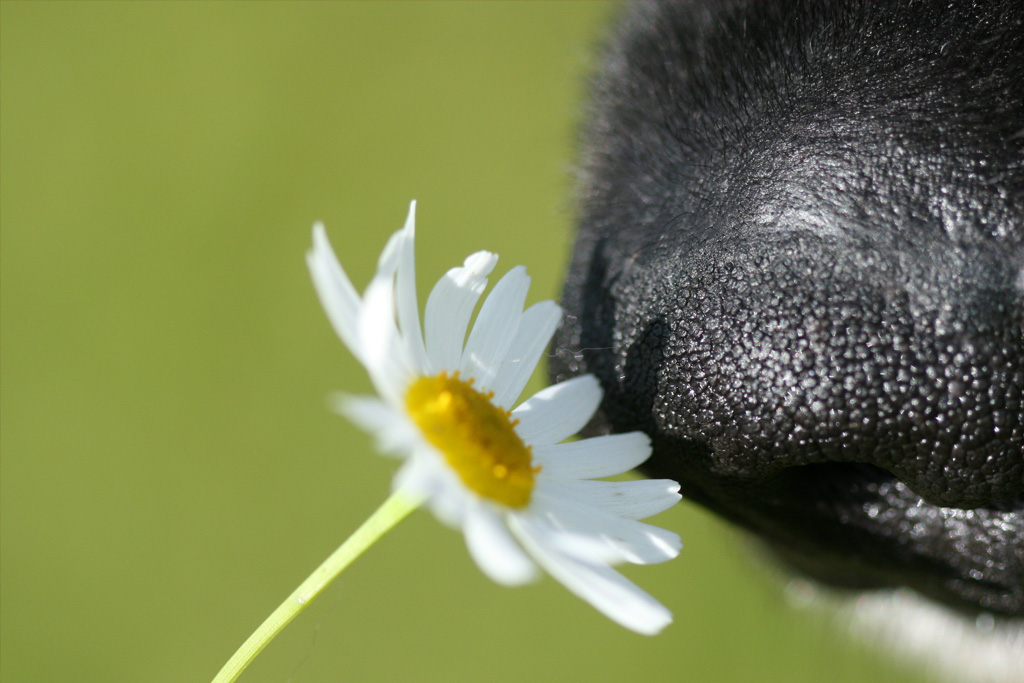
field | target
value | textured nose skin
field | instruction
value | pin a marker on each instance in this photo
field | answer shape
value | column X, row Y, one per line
column 798, row 266
column 792, row 350
column 788, row 349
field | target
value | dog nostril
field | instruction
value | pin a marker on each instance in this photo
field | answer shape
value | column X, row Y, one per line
column 956, row 483
column 867, row 488
column 956, row 439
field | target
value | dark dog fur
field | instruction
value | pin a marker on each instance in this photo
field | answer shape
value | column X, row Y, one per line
column 800, row 269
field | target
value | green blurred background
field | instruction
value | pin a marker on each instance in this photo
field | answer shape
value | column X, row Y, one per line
column 170, row 471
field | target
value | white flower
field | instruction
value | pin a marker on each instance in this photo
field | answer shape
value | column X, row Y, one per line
column 520, row 497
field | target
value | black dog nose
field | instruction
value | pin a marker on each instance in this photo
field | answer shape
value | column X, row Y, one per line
column 793, row 348
column 798, row 267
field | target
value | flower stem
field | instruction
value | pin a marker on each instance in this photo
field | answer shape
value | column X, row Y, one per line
column 393, row 510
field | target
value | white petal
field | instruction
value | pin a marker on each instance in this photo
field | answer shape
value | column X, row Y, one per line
column 605, row 589
column 630, row 499
column 599, row 456
column 558, row 412
column 405, row 294
column 425, row 477
column 441, row 487
column 494, row 550
column 385, row 357
column 535, row 330
column 335, row 290
column 495, row 328
column 637, row 542
column 387, row 262
column 450, row 306
column 395, row 435
column 417, row 477
column 581, row 547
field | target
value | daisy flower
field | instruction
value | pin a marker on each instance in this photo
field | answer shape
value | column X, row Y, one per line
column 502, row 474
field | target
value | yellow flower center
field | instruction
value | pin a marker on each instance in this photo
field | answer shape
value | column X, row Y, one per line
column 477, row 438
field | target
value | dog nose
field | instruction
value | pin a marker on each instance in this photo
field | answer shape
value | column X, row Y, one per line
column 788, row 350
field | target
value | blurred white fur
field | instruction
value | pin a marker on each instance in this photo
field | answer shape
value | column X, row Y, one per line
column 946, row 645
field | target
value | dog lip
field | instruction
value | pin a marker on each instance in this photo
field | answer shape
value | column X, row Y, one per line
column 854, row 526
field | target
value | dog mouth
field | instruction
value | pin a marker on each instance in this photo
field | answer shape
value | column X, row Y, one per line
column 856, row 526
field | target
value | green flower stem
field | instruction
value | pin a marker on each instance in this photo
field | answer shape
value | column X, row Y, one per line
column 394, row 510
